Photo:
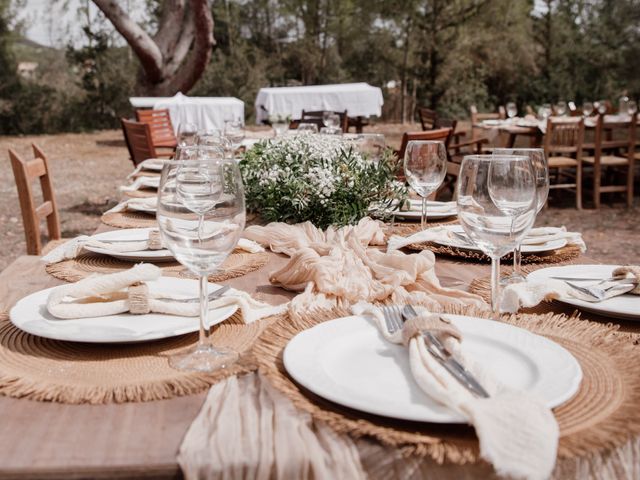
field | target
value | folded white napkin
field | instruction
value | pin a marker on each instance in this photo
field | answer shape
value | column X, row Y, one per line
column 73, row 248
column 439, row 207
column 149, row 203
column 141, row 182
column 144, row 166
column 127, row 291
column 518, row 434
column 536, row 236
column 529, row 294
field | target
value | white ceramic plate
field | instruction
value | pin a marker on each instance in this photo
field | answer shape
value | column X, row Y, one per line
column 540, row 248
column 624, row 306
column 30, row 314
column 163, row 255
column 416, row 211
column 139, row 207
column 348, row 362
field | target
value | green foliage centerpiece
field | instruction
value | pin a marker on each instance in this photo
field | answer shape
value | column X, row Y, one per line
column 319, row 178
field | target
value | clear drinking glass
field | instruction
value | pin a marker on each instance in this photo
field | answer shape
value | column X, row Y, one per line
column 561, row 108
column 496, row 201
column 187, row 134
column 234, row 132
column 512, row 110
column 215, row 138
column 541, row 173
column 632, row 107
column 425, row 166
column 371, row 145
column 587, row 109
column 307, row 128
column 601, row 106
column 331, row 120
column 201, row 214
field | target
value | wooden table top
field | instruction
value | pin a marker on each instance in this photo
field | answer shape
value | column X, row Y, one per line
column 132, row 440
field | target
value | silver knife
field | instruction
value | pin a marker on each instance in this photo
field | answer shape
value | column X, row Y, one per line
column 452, row 365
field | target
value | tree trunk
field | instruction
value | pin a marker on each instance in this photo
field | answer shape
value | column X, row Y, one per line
column 175, row 58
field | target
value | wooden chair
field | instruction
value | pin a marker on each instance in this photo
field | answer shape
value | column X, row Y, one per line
column 563, row 145
column 316, row 117
column 137, row 135
column 428, row 118
column 442, row 134
column 614, row 150
column 25, row 172
column 477, row 117
column 162, row 133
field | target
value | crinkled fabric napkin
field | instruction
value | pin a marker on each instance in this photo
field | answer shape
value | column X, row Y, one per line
column 536, row 236
column 141, row 182
column 529, row 294
column 145, row 165
column 144, row 204
column 336, row 268
column 127, row 291
column 518, row 434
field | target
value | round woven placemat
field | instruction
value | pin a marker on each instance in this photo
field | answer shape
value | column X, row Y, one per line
column 49, row 370
column 408, row 228
column 602, row 414
column 236, row 265
column 129, row 219
column 558, row 255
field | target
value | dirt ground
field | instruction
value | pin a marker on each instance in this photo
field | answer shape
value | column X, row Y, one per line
column 88, row 168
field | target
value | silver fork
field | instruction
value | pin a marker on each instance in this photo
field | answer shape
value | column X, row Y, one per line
column 212, row 296
column 392, row 317
column 599, row 293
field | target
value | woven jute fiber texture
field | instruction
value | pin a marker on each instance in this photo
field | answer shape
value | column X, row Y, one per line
column 67, row 372
column 603, row 414
column 236, row 265
column 129, row 219
column 564, row 254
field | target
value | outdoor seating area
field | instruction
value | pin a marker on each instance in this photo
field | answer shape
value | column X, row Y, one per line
column 319, row 241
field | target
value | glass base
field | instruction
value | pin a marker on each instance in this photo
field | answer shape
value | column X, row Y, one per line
column 203, row 358
column 511, row 279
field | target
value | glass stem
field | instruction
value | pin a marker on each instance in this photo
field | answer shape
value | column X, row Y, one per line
column 423, row 223
column 517, row 260
column 203, row 339
column 495, row 287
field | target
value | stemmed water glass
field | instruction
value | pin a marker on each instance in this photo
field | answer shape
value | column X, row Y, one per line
column 632, row 108
column 496, row 201
column 541, row 173
column 330, row 119
column 561, row 108
column 187, row 134
column 512, row 110
column 587, row 109
column 201, row 214
column 234, row 132
column 425, row 166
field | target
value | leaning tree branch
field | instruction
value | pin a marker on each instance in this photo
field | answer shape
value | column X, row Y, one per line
column 141, row 43
column 170, row 26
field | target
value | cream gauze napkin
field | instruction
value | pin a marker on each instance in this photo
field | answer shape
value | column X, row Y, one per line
column 529, row 294
column 143, row 165
column 518, row 434
column 536, row 236
column 127, row 291
column 336, row 268
column 141, row 182
column 149, row 203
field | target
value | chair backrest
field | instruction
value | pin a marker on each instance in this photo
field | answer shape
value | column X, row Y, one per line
column 138, row 138
column 441, row 134
column 316, row 117
column 446, row 123
column 564, row 135
column 25, row 172
column 614, row 134
column 427, row 117
column 477, row 117
column 159, row 121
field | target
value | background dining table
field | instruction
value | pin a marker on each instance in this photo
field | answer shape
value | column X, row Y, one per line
column 131, row 440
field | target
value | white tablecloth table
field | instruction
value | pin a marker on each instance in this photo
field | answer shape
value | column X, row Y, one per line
column 206, row 112
column 358, row 99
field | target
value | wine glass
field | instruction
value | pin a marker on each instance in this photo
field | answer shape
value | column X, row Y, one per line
column 587, row 109
column 187, row 134
column 561, row 108
column 632, row 108
column 331, row 120
column 544, row 111
column 425, row 166
column 512, row 110
column 234, row 132
column 602, row 107
column 215, row 138
column 307, row 128
column 201, row 214
column 496, row 201
column 371, row 145
column 541, row 173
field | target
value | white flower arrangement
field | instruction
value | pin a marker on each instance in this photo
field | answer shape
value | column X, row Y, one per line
column 320, row 178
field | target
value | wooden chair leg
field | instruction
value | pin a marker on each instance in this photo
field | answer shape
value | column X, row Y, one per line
column 630, row 174
column 597, row 178
column 579, row 187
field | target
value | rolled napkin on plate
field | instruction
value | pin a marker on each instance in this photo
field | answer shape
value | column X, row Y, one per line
column 149, row 205
column 536, row 236
column 141, row 182
column 518, row 434
column 73, row 248
column 127, row 291
column 529, row 294
column 432, row 207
